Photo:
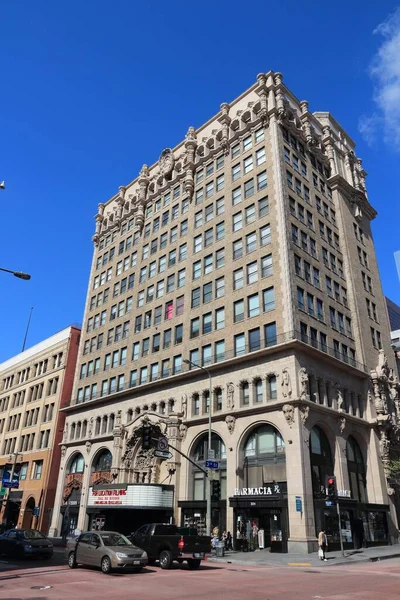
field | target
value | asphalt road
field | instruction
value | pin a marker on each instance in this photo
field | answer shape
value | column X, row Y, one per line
column 366, row 581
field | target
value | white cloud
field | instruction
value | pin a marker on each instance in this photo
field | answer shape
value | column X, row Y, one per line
column 385, row 72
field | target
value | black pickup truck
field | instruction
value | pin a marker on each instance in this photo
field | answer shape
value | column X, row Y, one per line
column 168, row 543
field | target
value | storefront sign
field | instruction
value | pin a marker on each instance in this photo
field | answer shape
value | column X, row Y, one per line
column 275, row 489
column 344, row 493
column 134, row 496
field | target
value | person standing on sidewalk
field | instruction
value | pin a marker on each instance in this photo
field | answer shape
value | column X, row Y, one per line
column 322, row 544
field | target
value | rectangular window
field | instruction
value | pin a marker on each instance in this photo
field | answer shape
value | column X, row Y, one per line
column 266, row 266
column 236, row 196
column 180, row 305
column 268, row 299
column 220, row 206
column 251, row 242
column 252, row 273
column 238, row 279
column 239, row 344
column 208, row 264
column 220, row 318
column 270, row 334
column 249, row 188
column 220, row 287
column 169, row 310
column 265, row 235
column 253, row 306
column 238, row 311
column 262, row 180
column 208, row 237
column 220, row 231
column 250, row 214
column 237, row 222
column 196, row 296
column 254, row 339
column 237, row 248
column 197, row 243
column 183, row 252
column 207, row 323
column 220, row 258
column 178, row 334
column 207, row 292
column 248, row 165
column 260, row 156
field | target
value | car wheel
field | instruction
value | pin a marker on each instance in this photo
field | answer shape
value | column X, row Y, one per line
column 106, row 565
column 165, row 559
column 72, row 561
column 193, row 564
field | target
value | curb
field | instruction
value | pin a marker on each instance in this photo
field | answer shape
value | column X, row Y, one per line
column 349, row 561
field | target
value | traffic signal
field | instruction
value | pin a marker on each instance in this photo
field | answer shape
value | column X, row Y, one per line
column 330, row 486
column 146, row 438
column 215, row 490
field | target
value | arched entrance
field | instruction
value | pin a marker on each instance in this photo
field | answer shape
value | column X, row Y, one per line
column 72, row 494
column 28, row 514
column 101, row 476
column 260, row 502
column 194, row 511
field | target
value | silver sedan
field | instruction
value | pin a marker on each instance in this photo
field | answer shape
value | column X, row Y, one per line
column 108, row 550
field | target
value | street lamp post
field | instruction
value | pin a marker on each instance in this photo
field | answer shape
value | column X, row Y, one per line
column 18, row 274
column 208, row 484
column 16, row 455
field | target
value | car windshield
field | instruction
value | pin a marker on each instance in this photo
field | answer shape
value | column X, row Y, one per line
column 115, row 539
column 32, row 534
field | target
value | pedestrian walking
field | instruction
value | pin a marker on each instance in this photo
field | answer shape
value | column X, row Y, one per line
column 322, row 545
column 229, row 541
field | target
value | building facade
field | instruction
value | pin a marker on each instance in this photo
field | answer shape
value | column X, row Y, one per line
column 34, row 385
column 394, row 321
column 247, row 250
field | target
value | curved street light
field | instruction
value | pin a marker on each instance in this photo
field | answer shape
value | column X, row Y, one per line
column 18, row 274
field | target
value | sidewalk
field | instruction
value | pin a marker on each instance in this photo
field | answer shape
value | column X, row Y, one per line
column 265, row 558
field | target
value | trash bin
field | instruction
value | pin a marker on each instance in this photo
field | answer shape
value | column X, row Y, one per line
column 220, row 549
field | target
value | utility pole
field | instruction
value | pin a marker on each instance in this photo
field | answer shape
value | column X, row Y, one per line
column 7, row 499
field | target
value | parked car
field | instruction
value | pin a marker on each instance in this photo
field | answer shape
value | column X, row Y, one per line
column 24, row 543
column 108, row 550
column 167, row 543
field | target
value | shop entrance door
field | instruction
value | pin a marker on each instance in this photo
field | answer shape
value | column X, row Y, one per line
column 261, row 528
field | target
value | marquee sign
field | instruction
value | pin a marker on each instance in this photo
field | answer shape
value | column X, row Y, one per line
column 132, row 496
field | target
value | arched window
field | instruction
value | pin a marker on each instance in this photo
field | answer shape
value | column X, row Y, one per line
column 78, row 430
column 98, row 425
column 77, row 465
column 357, row 470
column 199, row 454
column 264, row 459
column 102, row 462
column 321, row 460
column 72, row 434
column 154, row 407
column 84, row 429
column 129, row 415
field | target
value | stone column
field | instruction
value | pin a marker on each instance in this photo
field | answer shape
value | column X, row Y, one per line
column 56, row 517
column 174, row 436
column 82, row 517
column 302, row 525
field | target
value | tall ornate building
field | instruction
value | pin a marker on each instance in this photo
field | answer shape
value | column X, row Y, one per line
column 34, row 386
column 247, row 250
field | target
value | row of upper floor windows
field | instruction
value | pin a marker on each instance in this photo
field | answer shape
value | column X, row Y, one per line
column 38, row 369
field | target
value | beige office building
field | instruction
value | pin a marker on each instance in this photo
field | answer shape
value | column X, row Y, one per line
column 34, row 385
column 246, row 249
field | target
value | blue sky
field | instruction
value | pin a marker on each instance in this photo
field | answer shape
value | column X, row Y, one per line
column 92, row 90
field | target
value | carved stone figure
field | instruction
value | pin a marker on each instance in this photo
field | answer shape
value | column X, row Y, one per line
column 288, row 412
column 191, row 134
column 144, row 459
column 182, row 430
column 285, row 384
column 230, row 422
column 184, row 406
column 118, row 419
column 383, row 366
column 304, row 410
column 230, row 396
column 63, row 451
column 303, row 378
column 340, row 399
column 342, row 424
column 384, row 447
column 166, row 162
column 88, row 447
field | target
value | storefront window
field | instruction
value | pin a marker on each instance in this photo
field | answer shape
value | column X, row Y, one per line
column 357, row 471
column 265, row 440
column 200, row 453
column 321, row 461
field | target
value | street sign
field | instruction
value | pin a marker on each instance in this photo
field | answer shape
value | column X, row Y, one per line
column 165, row 455
column 211, row 454
column 330, row 503
column 211, row 464
column 162, row 448
column 299, row 504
